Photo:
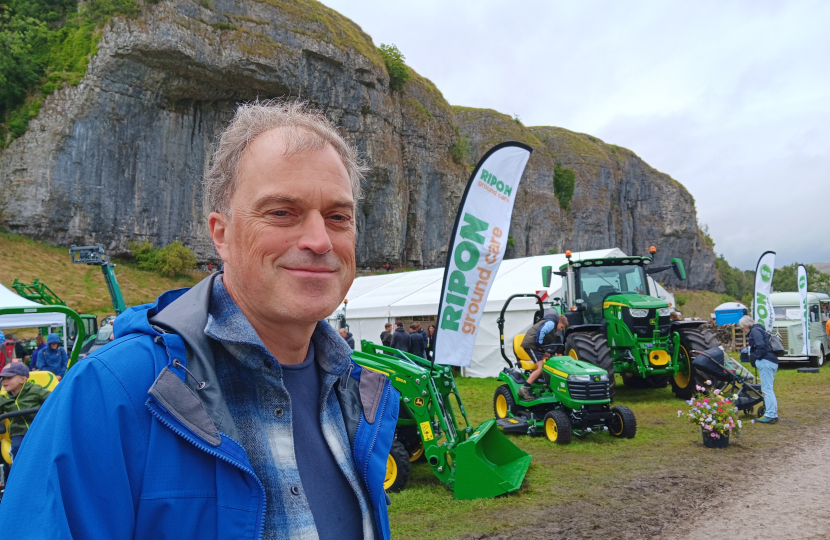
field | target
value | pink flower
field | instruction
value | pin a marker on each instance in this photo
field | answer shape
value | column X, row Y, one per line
column 706, row 400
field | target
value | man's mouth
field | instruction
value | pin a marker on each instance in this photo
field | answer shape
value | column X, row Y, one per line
column 310, row 271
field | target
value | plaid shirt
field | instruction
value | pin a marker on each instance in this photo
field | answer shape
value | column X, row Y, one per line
column 253, row 391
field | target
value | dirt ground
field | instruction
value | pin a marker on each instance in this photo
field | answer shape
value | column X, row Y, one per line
column 780, row 492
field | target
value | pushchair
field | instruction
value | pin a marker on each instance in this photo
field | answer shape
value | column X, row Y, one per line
column 731, row 378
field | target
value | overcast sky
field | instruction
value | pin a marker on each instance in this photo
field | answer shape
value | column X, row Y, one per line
column 730, row 98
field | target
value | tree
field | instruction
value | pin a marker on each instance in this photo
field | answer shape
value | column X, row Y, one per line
column 563, row 185
column 784, row 279
column 395, row 66
column 175, row 258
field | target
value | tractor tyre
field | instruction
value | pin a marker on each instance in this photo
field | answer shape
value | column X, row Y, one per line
column 503, row 402
column 398, row 468
column 652, row 381
column 623, row 423
column 697, row 339
column 557, row 427
column 592, row 348
column 411, row 440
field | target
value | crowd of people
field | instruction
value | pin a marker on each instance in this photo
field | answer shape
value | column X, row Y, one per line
column 417, row 341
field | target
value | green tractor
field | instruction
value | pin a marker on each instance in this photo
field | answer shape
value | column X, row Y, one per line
column 570, row 397
column 617, row 326
column 472, row 463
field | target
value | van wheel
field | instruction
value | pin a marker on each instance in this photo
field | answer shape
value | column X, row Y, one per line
column 818, row 360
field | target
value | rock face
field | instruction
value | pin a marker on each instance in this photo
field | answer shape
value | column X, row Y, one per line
column 120, row 157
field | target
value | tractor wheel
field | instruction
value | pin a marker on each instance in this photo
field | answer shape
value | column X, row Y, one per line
column 558, row 427
column 592, row 348
column 397, row 468
column 697, row 339
column 411, row 440
column 623, row 423
column 652, row 381
column 503, row 402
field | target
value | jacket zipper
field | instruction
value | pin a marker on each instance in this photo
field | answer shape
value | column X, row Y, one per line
column 375, row 438
column 200, row 446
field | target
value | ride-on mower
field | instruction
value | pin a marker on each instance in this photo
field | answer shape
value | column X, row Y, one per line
column 473, row 463
column 616, row 325
column 570, row 397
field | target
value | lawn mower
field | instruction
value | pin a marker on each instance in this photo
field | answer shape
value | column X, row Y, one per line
column 571, row 396
column 473, row 463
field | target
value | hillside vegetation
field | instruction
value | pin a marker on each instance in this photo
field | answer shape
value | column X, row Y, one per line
column 82, row 287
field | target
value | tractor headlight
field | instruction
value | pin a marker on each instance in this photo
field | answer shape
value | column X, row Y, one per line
column 638, row 313
column 579, row 378
column 603, row 378
column 664, row 312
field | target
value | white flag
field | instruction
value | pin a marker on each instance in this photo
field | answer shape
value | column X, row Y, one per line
column 805, row 316
column 479, row 240
column 762, row 306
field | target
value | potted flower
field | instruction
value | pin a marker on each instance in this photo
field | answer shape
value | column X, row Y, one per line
column 714, row 414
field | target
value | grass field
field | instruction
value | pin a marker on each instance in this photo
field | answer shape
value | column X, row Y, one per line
column 593, row 469
column 82, row 287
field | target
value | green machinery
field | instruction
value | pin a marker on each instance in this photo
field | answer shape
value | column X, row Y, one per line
column 473, row 463
column 570, row 397
column 616, row 325
column 71, row 315
column 95, row 256
column 41, row 293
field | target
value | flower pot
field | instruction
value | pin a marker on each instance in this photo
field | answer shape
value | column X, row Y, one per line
column 711, row 442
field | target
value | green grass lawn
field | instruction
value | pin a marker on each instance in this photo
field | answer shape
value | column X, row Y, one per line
column 596, row 464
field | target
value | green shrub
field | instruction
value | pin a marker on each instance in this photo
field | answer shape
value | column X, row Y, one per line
column 460, row 149
column 144, row 254
column 680, row 300
column 395, row 66
column 511, row 242
column 175, row 258
column 45, row 44
column 563, row 185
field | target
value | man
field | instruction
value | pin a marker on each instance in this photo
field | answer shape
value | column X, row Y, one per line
column 346, row 335
column 417, row 346
column 400, row 339
column 386, row 335
column 423, row 333
column 53, row 358
column 229, row 410
column 19, row 395
column 545, row 332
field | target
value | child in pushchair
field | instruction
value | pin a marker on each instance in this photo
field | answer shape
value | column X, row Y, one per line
column 731, row 378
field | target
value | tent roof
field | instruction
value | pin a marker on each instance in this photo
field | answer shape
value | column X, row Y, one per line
column 25, row 320
column 418, row 293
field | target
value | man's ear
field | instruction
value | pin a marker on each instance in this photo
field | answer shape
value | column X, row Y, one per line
column 219, row 227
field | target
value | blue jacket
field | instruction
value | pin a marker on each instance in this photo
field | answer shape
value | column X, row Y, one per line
column 53, row 360
column 127, row 448
column 759, row 345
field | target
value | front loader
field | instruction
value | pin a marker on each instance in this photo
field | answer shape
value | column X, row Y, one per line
column 473, row 463
column 616, row 325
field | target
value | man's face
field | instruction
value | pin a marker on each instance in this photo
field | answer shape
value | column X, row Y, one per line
column 53, row 345
column 13, row 384
column 343, row 332
column 289, row 242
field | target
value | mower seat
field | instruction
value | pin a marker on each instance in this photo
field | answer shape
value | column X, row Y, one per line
column 521, row 355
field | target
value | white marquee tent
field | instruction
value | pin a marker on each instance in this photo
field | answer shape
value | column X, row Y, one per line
column 375, row 300
column 8, row 299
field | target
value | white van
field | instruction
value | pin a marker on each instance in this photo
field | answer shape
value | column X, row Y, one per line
column 787, row 307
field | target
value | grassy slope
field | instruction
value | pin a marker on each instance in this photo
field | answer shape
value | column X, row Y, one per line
column 591, row 470
column 700, row 303
column 82, row 287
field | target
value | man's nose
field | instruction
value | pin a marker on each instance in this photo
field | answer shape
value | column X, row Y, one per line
column 314, row 236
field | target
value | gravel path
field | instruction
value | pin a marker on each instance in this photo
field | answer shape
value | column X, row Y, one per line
column 790, row 501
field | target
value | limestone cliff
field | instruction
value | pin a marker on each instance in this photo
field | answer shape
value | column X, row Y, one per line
column 120, row 156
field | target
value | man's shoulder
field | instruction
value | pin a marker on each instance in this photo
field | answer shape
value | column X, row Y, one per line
column 131, row 359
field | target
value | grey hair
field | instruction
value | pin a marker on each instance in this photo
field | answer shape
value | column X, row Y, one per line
column 304, row 129
column 746, row 322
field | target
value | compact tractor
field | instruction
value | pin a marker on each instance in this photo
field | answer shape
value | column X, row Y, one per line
column 473, row 463
column 570, row 397
column 616, row 325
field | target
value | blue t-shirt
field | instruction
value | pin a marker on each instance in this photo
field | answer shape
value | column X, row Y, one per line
column 332, row 500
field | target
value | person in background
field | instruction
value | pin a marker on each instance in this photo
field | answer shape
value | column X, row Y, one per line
column 416, row 341
column 386, row 335
column 346, row 335
column 2, row 350
column 19, row 347
column 762, row 357
column 20, row 395
column 423, row 334
column 430, row 341
column 676, row 316
column 53, row 358
column 546, row 332
column 400, row 339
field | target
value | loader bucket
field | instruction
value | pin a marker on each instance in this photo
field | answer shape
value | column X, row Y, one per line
column 488, row 464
